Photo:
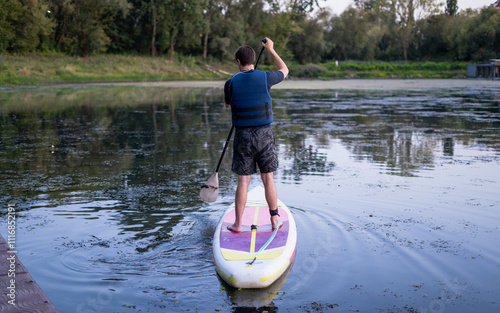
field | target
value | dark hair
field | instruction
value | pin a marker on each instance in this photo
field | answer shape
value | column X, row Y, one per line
column 245, row 54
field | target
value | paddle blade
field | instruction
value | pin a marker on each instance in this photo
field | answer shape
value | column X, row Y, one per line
column 210, row 190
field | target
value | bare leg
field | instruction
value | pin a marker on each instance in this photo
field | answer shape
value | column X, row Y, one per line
column 271, row 195
column 240, row 201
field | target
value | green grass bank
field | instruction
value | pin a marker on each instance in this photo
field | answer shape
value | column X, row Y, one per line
column 53, row 68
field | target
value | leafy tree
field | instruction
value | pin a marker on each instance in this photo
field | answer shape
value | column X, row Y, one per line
column 135, row 29
column 35, row 26
column 454, row 32
column 479, row 38
column 287, row 17
column 82, row 24
column 24, row 25
column 406, row 11
column 349, row 32
column 366, row 5
column 281, row 28
column 308, row 46
column 451, row 7
column 382, row 29
column 297, row 6
column 121, row 30
column 157, row 12
column 10, row 11
column 242, row 22
column 186, row 25
column 474, row 36
column 373, row 29
column 431, row 43
column 212, row 13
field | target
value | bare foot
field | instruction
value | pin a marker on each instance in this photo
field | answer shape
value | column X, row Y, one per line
column 234, row 228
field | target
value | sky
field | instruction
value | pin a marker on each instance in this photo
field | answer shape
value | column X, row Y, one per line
column 338, row 6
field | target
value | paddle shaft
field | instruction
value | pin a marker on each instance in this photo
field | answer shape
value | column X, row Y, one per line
column 232, row 127
column 225, row 147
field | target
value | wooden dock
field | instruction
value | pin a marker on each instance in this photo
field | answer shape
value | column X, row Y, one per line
column 29, row 297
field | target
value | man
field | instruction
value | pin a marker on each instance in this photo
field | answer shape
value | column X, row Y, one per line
column 247, row 94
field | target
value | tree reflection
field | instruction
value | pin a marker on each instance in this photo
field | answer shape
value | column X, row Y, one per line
column 151, row 148
column 403, row 130
column 304, row 159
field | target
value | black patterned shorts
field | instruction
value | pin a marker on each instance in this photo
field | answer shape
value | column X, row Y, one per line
column 254, row 146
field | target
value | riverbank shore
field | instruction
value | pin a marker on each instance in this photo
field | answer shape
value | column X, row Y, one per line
column 340, row 84
column 39, row 69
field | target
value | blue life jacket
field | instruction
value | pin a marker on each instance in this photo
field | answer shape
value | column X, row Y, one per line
column 251, row 104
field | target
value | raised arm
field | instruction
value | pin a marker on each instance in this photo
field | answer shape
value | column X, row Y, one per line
column 280, row 64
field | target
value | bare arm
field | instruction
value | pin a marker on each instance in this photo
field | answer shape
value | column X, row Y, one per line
column 226, row 93
column 280, row 64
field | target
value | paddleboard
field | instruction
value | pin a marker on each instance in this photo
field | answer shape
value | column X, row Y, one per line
column 234, row 252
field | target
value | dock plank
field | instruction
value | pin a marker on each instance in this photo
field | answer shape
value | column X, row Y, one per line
column 29, row 296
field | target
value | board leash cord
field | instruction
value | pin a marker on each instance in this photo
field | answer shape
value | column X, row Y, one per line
column 267, row 242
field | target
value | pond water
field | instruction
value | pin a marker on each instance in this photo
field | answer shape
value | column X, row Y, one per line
column 395, row 194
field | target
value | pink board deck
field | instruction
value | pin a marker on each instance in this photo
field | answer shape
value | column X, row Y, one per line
column 238, row 257
column 242, row 241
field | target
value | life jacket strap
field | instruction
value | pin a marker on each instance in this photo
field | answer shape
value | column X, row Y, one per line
column 252, row 109
column 266, row 114
column 251, row 117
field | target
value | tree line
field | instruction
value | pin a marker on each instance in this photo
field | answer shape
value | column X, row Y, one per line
column 303, row 31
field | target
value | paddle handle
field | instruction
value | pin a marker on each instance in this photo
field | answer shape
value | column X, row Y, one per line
column 260, row 54
column 232, row 127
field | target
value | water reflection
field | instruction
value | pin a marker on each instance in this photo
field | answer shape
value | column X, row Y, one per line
column 125, row 165
column 148, row 148
column 399, row 129
column 304, row 159
column 255, row 300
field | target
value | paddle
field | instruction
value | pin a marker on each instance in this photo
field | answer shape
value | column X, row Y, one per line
column 210, row 190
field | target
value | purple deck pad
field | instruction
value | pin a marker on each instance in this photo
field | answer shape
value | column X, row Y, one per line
column 241, row 241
